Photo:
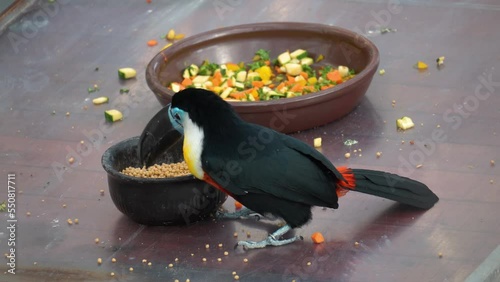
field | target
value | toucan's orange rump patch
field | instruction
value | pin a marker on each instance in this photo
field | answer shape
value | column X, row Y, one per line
column 210, row 181
column 349, row 184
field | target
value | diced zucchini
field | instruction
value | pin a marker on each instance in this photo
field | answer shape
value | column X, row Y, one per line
column 251, row 97
column 299, row 78
column 241, row 76
column 239, row 85
column 208, row 84
column 198, row 85
column 252, row 76
column 113, row 115
column 274, row 93
column 298, row 54
column 266, row 89
column 284, row 58
column 126, row 73
column 405, row 123
column 200, row 79
column 193, row 70
column 317, row 142
column 185, row 74
column 290, row 94
column 226, row 92
column 294, row 61
column 282, row 69
column 343, row 70
column 306, row 61
column 176, row 87
column 100, row 100
column 293, row 69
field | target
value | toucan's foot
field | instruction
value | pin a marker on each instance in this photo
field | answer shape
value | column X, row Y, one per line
column 242, row 213
column 271, row 240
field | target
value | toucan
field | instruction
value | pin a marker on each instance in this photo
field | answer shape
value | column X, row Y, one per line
column 270, row 173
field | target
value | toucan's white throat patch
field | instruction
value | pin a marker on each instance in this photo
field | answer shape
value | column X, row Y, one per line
column 193, row 146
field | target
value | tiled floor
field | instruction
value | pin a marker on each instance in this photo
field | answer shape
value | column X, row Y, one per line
column 48, row 60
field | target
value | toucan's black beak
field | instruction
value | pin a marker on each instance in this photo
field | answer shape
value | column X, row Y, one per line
column 158, row 136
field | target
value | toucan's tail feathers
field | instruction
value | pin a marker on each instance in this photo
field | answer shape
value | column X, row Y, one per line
column 391, row 186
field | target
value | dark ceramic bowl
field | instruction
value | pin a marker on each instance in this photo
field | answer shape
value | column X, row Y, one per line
column 234, row 44
column 152, row 201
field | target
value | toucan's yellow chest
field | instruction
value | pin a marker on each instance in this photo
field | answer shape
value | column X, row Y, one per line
column 193, row 147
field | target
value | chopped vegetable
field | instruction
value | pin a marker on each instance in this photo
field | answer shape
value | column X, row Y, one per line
column 124, row 90
column 113, row 115
column 381, row 72
column 152, row 43
column 421, row 65
column 317, row 238
column 284, row 58
column 405, row 123
column 317, row 142
column 440, row 61
column 3, row 206
column 171, row 34
column 126, row 73
column 289, row 75
column 100, row 100
column 179, row 36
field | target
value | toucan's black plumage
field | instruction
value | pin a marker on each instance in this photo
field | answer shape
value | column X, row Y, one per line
column 273, row 173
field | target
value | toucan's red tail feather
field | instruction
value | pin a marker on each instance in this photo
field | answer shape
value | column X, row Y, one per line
column 344, row 186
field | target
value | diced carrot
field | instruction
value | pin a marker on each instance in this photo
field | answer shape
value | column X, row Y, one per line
column 271, row 85
column 290, row 78
column 216, row 81
column 334, row 76
column 217, row 74
column 257, row 83
column 304, row 74
column 230, row 82
column 277, row 69
column 297, row 87
column 187, row 81
column 309, row 88
column 152, row 43
column 326, row 87
column 280, row 86
column 268, row 63
column 237, row 205
column 238, row 95
column 317, row 238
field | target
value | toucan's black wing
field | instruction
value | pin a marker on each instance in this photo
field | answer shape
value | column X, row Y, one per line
column 284, row 167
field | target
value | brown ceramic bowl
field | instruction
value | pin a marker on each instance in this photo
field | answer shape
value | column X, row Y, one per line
column 234, row 44
column 157, row 201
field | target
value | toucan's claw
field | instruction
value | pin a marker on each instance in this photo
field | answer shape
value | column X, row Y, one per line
column 271, row 240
